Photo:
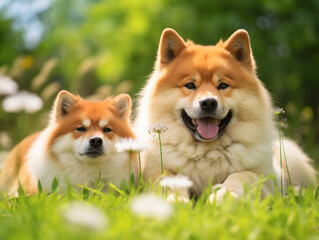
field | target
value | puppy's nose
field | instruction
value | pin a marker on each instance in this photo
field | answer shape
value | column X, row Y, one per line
column 208, row 104
column 96, row 142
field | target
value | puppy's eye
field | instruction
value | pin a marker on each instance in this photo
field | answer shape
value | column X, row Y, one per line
column 81, row 129
column 222, row 86
column 107, row 129
column 190, row 85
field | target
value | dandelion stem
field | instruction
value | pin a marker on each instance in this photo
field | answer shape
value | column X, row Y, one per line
column 140, row 177
column 283, row 148
column 139, row 161
column 130, row 164
column 160, row 143
column 280, row 155
column 159, row 128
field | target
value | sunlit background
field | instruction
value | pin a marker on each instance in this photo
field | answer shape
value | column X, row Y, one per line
column 98, row 48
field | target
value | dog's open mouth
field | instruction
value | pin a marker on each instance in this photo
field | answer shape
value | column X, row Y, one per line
column 207, row 128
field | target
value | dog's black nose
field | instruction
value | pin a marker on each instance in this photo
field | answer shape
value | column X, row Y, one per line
column 96, row 142
column 208, row 104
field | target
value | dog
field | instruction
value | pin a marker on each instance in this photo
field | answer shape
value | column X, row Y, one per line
column 219, row 117
column 77, row 147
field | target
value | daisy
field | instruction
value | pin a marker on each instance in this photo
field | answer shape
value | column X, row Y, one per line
column 7, row 86
column 22, row 101
column 83, row 215
column 151, row 206
column 178, row 182
column 130, row 145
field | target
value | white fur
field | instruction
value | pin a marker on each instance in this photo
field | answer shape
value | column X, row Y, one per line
column 86, row 122
column 103, row 123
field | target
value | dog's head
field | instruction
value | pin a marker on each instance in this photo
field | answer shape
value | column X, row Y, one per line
column 208, row 88
column 88, row 130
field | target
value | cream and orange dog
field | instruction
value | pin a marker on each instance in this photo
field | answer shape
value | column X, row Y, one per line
column 77, row 147
column 219, row 118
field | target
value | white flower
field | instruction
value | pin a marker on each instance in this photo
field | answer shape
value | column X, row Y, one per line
column 147, row 205
column 7, row 86
column 130, row 145
column 176, row 182
column 158, row 128
column 22, row 101
column 82, row 215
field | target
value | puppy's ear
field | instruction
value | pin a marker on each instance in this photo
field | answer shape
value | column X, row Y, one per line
column 170, row 46
column 62, row 105
column 238, row 45
column 123, row 105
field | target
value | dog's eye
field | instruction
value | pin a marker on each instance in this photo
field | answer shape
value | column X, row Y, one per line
column 107, row 129
column 190, row 85
column 222, row 86
column 81, row 129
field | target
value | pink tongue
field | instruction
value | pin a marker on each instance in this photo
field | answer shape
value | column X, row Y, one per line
column 207, row 127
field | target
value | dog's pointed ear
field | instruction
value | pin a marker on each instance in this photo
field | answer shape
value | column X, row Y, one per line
column 238, row 45
column 123, row 105
column 170, row 46
column 62, row 105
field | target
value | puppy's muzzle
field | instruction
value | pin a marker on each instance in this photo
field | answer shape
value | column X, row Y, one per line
column 95, row 148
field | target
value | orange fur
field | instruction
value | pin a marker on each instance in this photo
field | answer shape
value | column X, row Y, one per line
column 14, row 168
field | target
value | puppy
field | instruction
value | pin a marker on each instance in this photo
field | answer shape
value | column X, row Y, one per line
column 77, row 147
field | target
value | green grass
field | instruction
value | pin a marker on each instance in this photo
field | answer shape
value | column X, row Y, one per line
column 275, row 217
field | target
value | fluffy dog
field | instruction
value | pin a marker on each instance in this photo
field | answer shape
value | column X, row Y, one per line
column 77, row 147
column 219, row 117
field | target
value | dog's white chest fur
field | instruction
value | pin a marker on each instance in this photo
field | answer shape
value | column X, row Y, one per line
column 203, row 163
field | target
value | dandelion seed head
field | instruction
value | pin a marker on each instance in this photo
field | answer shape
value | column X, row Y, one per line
column 176, row 182
column 157, row 128
column 7, row 86
column 22, row 101
column 148, row 205
column 282, row 122
column 278, row 111
column 130, row 145
column 80, row 214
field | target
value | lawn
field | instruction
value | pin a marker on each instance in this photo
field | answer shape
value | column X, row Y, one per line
column 92, row 214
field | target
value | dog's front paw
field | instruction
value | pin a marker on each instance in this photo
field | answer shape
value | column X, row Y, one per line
column 219, row 193
column 172, row 197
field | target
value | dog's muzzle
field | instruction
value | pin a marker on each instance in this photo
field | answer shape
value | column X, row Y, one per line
column 206, row 127
column 95, row 148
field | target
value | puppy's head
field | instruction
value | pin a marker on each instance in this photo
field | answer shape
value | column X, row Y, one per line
column 208, row 88
column 88, row 130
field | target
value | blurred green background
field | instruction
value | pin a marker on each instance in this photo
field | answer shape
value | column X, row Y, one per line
column 105, row 47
